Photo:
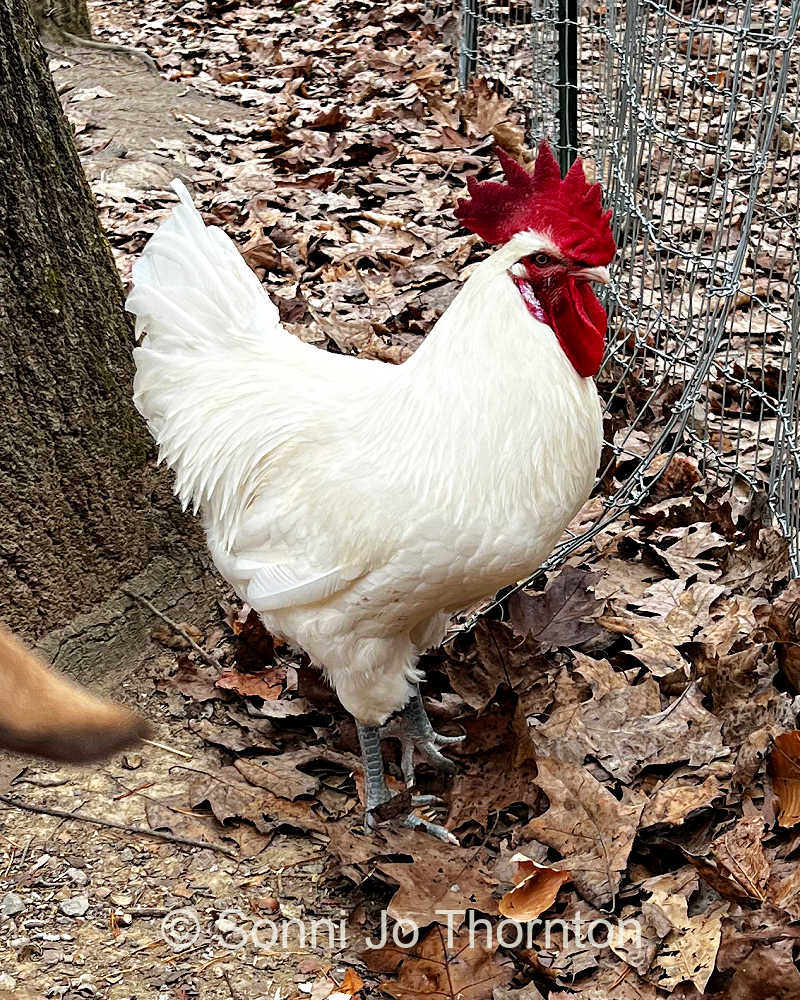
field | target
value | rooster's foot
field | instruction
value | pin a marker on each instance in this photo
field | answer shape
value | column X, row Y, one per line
column 413, row 729
column 377, row 794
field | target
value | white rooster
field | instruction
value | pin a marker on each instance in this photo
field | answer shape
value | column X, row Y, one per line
column 356, row 504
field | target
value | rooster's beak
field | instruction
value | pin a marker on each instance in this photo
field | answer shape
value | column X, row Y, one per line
column 598, row 274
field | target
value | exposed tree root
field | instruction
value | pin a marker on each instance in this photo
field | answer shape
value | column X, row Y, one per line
column 90, row 43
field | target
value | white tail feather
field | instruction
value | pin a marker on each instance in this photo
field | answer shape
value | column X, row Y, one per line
column 215, row 367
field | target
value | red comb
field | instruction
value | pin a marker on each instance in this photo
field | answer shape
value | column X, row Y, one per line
column 570, row 211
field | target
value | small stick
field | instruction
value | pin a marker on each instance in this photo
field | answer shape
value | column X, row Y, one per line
column 184, row 953
column 25, row 851
column 59, row 825
column 163, row 746
column 204, row 656
column 133, row 791
column 149, row 947
column 620, row 977
column 140, row 830
column 11, row 857
column 225, row 976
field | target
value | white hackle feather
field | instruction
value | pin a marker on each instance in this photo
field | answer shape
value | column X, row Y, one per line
column 355, row 503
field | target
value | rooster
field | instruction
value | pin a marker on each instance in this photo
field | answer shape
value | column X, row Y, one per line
column 357, row 504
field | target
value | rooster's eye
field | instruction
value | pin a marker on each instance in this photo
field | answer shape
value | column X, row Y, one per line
column 542, row 259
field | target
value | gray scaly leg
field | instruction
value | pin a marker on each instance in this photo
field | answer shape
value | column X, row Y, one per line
column 376, row 792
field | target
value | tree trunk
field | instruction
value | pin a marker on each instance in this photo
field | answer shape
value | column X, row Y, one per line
column 68, row 15
column 82, row 506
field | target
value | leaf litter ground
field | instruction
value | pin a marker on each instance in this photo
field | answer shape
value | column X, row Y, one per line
column 630, row 753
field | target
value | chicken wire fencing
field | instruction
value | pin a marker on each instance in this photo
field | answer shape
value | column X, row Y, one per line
column 687, row 111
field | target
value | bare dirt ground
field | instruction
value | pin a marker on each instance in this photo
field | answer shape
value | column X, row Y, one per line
column 138, row 119
column 82, row 906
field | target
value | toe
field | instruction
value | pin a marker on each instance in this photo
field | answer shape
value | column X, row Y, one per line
column 416, row 823
column 407, row 763
column 443, row 741
column 436, row 759
column 418, row 801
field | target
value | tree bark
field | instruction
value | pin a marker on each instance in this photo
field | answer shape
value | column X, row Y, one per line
column 82, row 506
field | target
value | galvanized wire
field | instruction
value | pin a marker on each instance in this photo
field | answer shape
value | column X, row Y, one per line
column 688, row 111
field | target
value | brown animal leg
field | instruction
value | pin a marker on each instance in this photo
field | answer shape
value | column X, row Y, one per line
column 44, row 713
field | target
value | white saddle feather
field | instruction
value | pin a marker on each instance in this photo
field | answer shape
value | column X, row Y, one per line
column 280, row 586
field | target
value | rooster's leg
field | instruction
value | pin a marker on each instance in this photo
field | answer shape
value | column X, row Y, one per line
column 415, row 732
column 376, row 792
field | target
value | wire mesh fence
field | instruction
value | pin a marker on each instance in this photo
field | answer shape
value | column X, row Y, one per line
column 689, row 112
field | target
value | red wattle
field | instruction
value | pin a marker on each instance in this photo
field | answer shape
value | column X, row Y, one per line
column 580, row 324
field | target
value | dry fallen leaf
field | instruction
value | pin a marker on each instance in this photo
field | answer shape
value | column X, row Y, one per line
column 254, row 648
column 495, row 656
column 230, row 797
column 535, row 890
column 740, row 855
column 482, row 108
column 563, row 615
column 757, row 954
column 231, row 737
column 613, row 730
column 352, row 983
column 279, row 773
column 784, row 770
column 783, row 625
column 193, row 681
column 442, row 967
column 440, row 878
column 267, row 684
column 684, row 792
column 591, row 829
column 689, row 944
column 496, row 764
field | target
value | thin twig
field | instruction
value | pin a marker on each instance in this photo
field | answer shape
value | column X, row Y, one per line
column 132, row 791
column 184, row 953
column 169, row 749
column 112, row 824
column 10, row 842
column 80, row 805
column 205, row 656
column 150, row 946
column 225, row 976
column 619, row 978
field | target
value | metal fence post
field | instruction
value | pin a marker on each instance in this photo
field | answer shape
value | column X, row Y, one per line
column 567, row 82
column 468, row 48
